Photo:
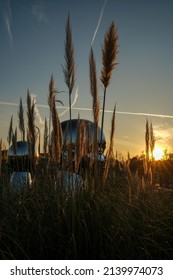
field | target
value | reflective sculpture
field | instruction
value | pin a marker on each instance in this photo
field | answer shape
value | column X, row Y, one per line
column 21, row 164
column 89, row 131
column 20, row 180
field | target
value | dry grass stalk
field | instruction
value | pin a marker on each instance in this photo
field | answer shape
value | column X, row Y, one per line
column 57, row 132
column 147, row 141
column 95, row 106
column 109, row 54
column 70, row 68
column 80, row 144
column 21, row 120
column 152, row 140
column 0, row 154
column 56, row 137
column 77, row 155
column 111, row 147
column 45, row 141
column 14, row 141
column 31, row 123
column 10, row 131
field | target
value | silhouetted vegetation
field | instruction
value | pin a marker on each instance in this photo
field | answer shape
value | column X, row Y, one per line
column 114, row 212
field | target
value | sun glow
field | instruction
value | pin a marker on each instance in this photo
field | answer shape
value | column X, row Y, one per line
column 158, row 153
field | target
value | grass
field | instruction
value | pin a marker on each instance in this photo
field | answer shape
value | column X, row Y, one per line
column 45, row 223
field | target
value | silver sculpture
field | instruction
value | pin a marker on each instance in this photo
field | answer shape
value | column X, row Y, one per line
column 20, row 164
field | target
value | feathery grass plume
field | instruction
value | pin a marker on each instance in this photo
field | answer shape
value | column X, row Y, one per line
column 77, row 155
column 10, row 131
column 147, row 141
column 109, row 54
column 38, row 135
column 57, row 132
column 69, row 69
column 21, row 120
column 14, row 141
column 51, row 102
column 45, row 140
column 95, row 106
column 0, row 154
column 152, row 140
column 111, row 146
column 31, row 123
column 52, row 105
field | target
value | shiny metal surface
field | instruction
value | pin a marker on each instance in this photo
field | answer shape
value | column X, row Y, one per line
column 66, row 130
column 22, row 149
column 20, row 180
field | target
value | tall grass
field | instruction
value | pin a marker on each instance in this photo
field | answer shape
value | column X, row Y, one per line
column 45, row 223
column 109, row 54
column 95, row 108
column 21, row 120
column 69, row 68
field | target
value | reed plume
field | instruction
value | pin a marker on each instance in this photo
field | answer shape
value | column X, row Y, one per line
column 31, row 123
column 147, row 141
column 109, row 54
column 152, row 140
column 95, row 104
column 14, row 141
column 45, row 141
column 56, row 136
column 21, row 120
column 70, row 68
column 10, row 131
column 0, row 154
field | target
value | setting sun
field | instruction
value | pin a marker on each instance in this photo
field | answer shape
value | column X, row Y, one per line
column 158, row 153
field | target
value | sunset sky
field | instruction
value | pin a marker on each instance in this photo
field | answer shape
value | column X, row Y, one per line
column 32, row 34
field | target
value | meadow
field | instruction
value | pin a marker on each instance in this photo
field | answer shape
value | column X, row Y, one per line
column 117, row 221
column 113, row 214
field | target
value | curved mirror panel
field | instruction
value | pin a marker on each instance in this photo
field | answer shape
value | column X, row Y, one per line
column 22, row 149
column 89, row 126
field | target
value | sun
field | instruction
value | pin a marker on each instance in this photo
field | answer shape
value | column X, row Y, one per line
column 158, row 153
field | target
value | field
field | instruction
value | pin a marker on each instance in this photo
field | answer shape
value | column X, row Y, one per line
column 115, row 221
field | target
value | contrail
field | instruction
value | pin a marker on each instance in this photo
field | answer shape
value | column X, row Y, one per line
column 74, row 102
column 7, row 15
column 37, row 112
column 89, row 109
column 99, row 21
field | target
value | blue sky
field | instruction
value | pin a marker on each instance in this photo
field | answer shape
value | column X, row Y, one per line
column 32, row 35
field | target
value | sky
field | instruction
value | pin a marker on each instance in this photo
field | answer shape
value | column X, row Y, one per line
column 32, row 35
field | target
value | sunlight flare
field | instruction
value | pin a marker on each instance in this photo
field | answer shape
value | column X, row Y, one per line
column 158, row 153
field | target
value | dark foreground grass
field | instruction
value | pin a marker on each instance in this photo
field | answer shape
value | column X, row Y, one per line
column 45, row 223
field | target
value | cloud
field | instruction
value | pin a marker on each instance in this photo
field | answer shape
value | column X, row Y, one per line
column 38, row 12
column 163, row 131
column 7, row 17
column 99, row 21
